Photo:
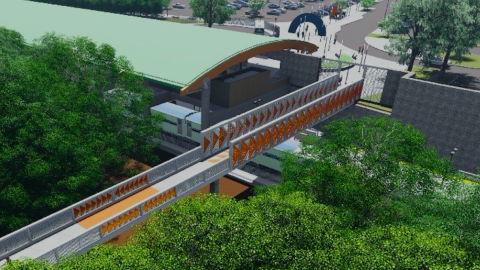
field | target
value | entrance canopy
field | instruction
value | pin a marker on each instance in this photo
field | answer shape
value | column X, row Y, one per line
column 173, row 54
column 308, row 17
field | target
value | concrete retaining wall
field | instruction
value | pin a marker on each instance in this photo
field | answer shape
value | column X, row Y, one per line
column 448, row 116
column 390, row 88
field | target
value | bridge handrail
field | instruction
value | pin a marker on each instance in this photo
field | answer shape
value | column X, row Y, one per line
column 39, row 230
column 207, row 133
column 349, row 95
column 136, row 212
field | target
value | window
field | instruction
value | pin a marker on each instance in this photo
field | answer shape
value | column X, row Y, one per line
column 271, row 156
column 170, row 122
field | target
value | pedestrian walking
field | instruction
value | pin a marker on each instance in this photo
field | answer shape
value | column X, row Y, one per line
column 298, row 34
column 303, row 35
column 363, row 49
column 359, row 49
column 316, row 31
column 307, row 28
column 335, row 40
column 340, row 79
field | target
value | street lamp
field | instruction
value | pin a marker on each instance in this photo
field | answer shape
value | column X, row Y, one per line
column 453, row 153
column 257, row 102
column 388, row 1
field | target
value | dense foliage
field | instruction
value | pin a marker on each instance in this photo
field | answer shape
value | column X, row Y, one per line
column 211, row 11
column 61, row 129
column 433, row 27
column 415, row 220
column 145, row 7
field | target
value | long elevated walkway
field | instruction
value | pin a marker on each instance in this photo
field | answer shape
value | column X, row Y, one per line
column 225, row 147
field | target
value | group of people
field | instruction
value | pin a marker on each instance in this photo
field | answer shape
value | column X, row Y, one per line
column 306, row 33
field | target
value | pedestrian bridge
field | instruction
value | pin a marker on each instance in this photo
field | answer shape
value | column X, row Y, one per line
column 225, row 146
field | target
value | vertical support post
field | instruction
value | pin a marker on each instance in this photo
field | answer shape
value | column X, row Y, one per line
column 364, row 72
column 205, row 105
column 214, row 186
column 339, row 66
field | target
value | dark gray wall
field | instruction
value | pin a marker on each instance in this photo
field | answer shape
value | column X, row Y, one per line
column 302, row 69
column 390, row 87
column 448, row 116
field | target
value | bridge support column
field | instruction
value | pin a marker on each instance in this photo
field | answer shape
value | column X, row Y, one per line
column 206, row 104
column 214, row 186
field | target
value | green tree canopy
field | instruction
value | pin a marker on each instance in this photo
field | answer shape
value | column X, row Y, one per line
column 367, row 4
column 360, row 165
column 211, row 11
column 410, row 17
column 257, row 4
column 62, row 126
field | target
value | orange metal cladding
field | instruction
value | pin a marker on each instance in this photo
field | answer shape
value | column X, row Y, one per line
column 274, row 134
column 252, row 144
column 281, row 130
column 215, row 139
column 261, row 118
column 247, row 124
column 239, row 128
column 118, row 207
column 85, row 208
column 287, row 105
column 302, row 120
column 118, row 221
column 274, row 111
column 289, row 126
column 223, row 135
column 235, row 154
column 243, row 151
column 150, row 204
column 206, row 142
column 231, row 131
column 268, row 115
column 295, row 123
column 260, row 142
column 254, row 121
column 280, row 108
column 268, row 136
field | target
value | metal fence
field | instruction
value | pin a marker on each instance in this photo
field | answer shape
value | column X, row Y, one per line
column 374, row 77
column 47, row 226
column 251, row 23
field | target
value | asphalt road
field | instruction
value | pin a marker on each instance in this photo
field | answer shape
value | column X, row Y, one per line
column 353, row 36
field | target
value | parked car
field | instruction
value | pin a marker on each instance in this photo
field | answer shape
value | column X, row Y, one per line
column 275, row 6
column 438, row 62
column 288, row 2
column 274, row 12
column 178, row 5
column 237, row 6
column 301, row 5
column 242, row 3
column 282, row 10
column 291, row 6
column 320, row 12
column 231, row 7
column 251, row 12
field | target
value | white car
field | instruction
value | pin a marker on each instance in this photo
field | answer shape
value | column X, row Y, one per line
column 178, row 5
column 439, row 62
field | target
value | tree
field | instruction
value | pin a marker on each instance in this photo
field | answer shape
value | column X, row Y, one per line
column 367, row 4
column 357, row 166
column 257, row 5
column 211, row 11
column 63, row 128
column 410, row 16
column 457, row 31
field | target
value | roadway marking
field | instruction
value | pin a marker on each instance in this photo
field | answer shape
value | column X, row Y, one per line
column 118, row 207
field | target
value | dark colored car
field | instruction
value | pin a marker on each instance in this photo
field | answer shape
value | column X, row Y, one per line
column 242, row 3
column 301, row 5
column 274, row 12
column 251, row 12
column 275, row 6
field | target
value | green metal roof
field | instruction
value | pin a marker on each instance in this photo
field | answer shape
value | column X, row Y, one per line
column 171, row 53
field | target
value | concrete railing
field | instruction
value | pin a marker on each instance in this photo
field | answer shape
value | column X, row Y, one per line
column 170, row 192
column 68, row 216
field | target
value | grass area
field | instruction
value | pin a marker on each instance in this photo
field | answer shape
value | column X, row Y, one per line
column 430, row 74
column 374, row 98
column 334, row 64
column 375, row 35
column 183, row 20
column 375, row 106
column 468, row 60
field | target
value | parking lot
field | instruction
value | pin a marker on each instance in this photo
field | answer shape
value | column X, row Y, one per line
column 286, row 17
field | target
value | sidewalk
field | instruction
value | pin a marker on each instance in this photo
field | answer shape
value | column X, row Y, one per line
column 332, row 28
